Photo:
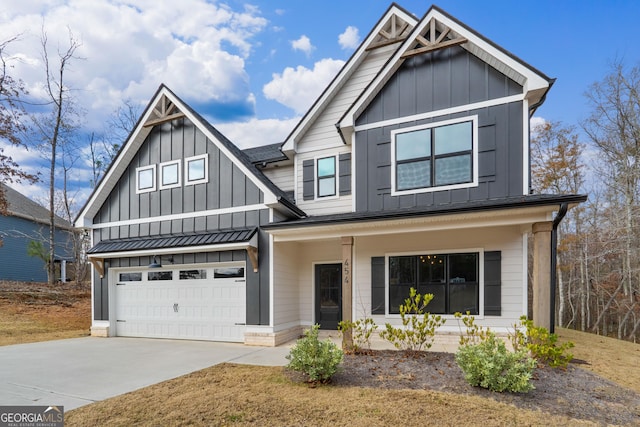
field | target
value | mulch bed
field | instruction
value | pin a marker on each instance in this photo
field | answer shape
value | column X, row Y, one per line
column 573, row 392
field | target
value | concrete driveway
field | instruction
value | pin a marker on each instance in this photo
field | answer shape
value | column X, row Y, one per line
column 76, row 372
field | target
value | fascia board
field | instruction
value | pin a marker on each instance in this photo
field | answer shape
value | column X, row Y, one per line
column 346, row 71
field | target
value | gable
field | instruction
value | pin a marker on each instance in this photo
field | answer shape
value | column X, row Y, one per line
column 166, row 123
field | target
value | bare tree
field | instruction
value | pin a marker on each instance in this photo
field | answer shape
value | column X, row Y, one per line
column 58, row 127
column 11, row 123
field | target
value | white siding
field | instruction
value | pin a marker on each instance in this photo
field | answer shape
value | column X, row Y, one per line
column 508, row 240
column 282, row 176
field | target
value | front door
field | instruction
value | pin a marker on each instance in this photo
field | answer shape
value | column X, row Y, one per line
column 328, row 295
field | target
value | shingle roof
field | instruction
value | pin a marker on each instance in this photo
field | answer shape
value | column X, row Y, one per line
column 23, row 207
column 265, row 154
column 173, row 241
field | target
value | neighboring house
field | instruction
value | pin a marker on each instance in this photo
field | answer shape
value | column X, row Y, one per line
column 410, row 170
column 25, row 221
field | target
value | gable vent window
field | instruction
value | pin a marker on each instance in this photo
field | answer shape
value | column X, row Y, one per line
column 169, row 174
column 146, row 179
column 197, row 169
column 326, row 176
column 435, row 157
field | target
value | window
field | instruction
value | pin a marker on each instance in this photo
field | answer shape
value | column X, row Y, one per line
column 160, row 275
column 146, row 179
column 326, row 175
column 437, row 156
column 193, row 274
column 170, row 174
column 228, row 273
column 197, row 169
column 130, row 277
column 451, row 278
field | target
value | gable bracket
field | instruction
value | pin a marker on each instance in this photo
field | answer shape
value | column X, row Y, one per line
column 394, row 34
column 98, row 264
column 164, row 111
column 435, row 41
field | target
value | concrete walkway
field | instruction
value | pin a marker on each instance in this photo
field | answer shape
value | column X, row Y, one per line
column 76, row 372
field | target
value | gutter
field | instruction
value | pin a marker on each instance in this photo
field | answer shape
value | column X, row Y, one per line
column 554, row 262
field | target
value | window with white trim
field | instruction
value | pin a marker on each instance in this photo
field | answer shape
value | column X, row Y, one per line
column 434, row 157
column 170, row 174
column 453, row 279
column 197, row 169
column 326, row 176
column 145, row 179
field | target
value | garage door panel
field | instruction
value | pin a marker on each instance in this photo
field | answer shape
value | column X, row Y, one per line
column 204, row 309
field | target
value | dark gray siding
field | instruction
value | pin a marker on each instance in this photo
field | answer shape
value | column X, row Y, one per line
column 177, row 140
column 443, row 79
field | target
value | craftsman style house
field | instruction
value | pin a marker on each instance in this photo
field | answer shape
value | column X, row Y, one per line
column 410, row 170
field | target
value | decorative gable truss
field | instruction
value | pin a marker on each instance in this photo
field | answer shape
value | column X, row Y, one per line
column 395, row 30
column 434, row 36
column 164, row 111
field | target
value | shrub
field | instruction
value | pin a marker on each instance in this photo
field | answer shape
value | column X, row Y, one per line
column 418, row 329
column 474, row 334
column 542, row 344
column 317, row 359
column 490, row 365
column 361, row 331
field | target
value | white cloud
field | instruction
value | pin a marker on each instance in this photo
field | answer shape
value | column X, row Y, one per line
column 303, row 44
column 298, row 88
column 255, row 132
column 350, row 38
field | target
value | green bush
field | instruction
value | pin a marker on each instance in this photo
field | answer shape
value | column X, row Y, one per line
column 317, row 359
column 490, row 365
column 419, row 328
column 474, row 334
column 542, row 344
column 361, row 331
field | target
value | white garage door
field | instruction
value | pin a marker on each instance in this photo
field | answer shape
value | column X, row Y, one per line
column 193, row 302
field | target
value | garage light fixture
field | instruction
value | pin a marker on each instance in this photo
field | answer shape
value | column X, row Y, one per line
column 157, row 261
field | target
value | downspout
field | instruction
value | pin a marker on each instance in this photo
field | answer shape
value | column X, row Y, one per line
column 554, row 261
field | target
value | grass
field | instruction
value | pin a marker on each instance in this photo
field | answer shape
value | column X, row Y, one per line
column 608, row 357
column 32, row 313
column 231, row 394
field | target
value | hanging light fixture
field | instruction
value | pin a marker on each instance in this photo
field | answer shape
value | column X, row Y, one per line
column 155, row 263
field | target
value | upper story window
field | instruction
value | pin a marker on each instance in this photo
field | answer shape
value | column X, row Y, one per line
column 146, row 179
column 197, row 169
column 438, row 156
column 326, row 176
column 170, row 174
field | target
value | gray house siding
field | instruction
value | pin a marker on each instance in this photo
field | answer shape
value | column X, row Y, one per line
column 15, row 234
column 436, row 81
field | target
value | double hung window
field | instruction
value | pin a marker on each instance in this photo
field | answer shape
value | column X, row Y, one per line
column 326, row 175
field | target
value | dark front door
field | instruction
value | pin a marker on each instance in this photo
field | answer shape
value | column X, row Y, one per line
column 328, row 295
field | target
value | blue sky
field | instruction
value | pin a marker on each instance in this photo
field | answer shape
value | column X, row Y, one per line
column 253, row 67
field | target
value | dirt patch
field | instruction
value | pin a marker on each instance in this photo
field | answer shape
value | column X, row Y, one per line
column 574, row 392
column 31, row 312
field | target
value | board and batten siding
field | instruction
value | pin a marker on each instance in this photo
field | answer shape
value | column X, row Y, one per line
column 428, row 84
column 227, row 187
column 508, row 240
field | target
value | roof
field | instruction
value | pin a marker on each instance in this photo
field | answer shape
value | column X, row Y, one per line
column 20, row 206
column 450, row 209
column 173, row 241
column 265, row 154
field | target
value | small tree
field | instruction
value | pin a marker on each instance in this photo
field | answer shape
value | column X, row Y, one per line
column 317, row 359
column 36, row 249
column 418, row 327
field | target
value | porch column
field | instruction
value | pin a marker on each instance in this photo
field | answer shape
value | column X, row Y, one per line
column 347, row 278
column 542, row 274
